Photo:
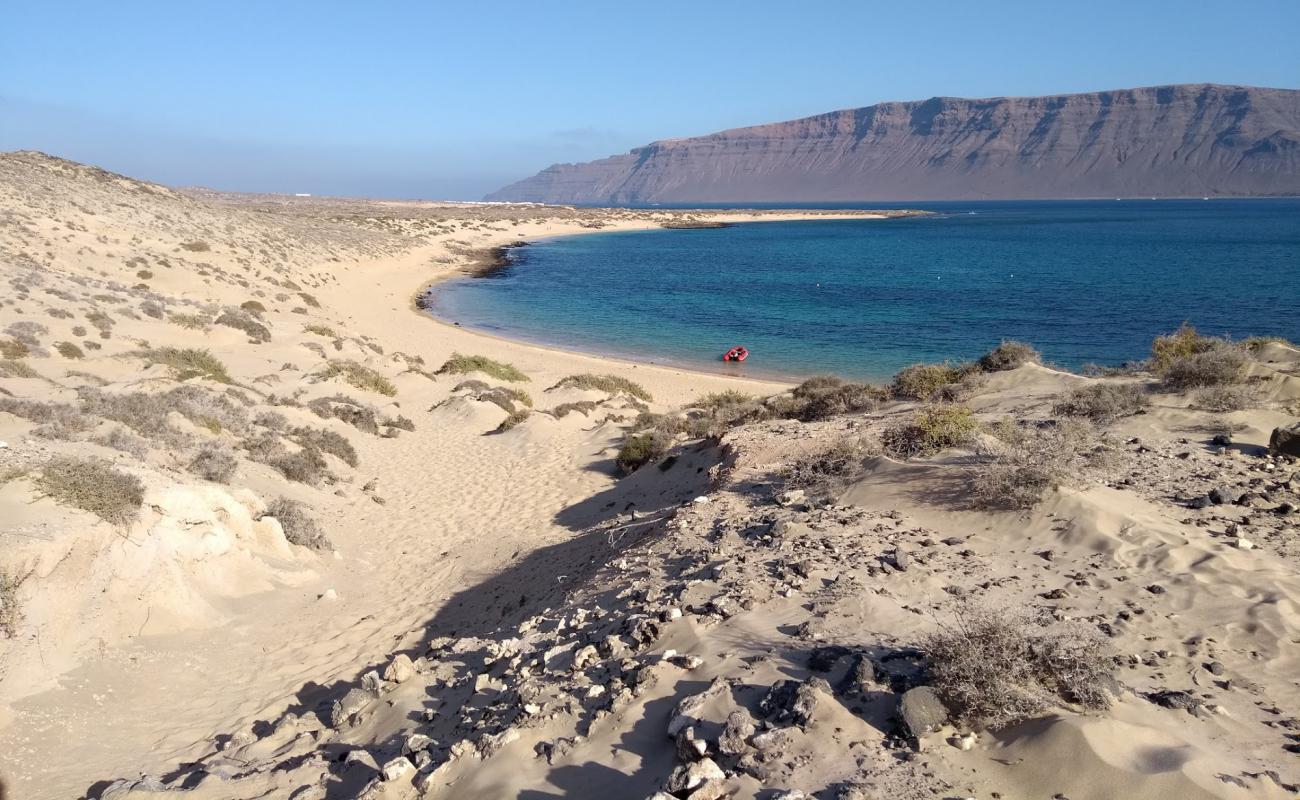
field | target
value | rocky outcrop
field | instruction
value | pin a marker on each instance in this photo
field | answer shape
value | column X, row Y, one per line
column 1169, row 141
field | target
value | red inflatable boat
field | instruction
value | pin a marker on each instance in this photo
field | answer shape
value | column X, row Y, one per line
column 735, row 354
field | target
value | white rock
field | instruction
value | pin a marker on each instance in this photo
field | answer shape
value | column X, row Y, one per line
column 398, row 768
column 965, row 742
column 328, row 594
column 701, row 499
column 1245, row 544
column 399, row 669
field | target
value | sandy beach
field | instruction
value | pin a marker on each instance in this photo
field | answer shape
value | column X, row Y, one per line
column 351, row 571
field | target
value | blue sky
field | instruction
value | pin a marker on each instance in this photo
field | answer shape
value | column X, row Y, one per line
column 434, row 99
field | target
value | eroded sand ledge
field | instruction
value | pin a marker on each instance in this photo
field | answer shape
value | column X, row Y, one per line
column 534, row 594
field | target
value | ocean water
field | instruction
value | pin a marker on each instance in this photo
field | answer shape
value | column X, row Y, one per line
column 1083, row 281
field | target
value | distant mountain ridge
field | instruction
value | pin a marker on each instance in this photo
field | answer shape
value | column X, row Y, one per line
column 1188, row 140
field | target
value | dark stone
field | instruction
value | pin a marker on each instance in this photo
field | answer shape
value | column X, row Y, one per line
column 1285, row 440
column 922, row 711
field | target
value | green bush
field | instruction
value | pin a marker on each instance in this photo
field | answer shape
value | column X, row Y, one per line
column 92, row 485
column 610, row 384
column 462, row 365
column 930, row 430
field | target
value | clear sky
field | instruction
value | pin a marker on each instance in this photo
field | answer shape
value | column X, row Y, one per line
column 435, row 99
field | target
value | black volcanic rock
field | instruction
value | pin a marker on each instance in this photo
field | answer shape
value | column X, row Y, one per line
column 1168, row 141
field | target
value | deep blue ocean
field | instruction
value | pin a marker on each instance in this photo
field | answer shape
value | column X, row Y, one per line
column 1083, row 281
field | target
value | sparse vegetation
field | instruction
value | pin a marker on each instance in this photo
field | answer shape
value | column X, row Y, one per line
column 1220, row 365
column 827, row 470
column 826, row 396
column 69, row 350
column 325, row 441
column 241, row 320
column 1104, row 402
column 584, row 407
column 298, row 525
column 189, row 363
column 16, row 369
column 1030, row 460
column 12, row 349
column 253, row 307
column 196, row 246
column 640, row 449
column 1222, row 399
column 994, row 667
column 513, row 420
column 194, row 322
column 463, row 365
column 1182, row 343
column 1009, row 355
column 609, row 384
column 320, row 330
column 930, row 430
column 923, row 381
column 215, row 463
column 10, row 609
column 92, row 485
column 152, row 308
column 359, row 376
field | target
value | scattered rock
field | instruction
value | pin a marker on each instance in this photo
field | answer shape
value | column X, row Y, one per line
column 400, row 669
column 347, row 706
column 1285, row 440
column 735, row 734
column 398, row 768
column 922, row 711
column 690, row 777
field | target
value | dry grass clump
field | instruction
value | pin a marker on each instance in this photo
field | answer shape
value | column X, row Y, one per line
column 359, row 376
column 826, row 471
column 463, row 365
column 929, row 430
column 1221, row 399
column 1254, row 344
column 298, row 525
column 642, row 448
column 253, row 307
column 188, row 362
column 194, row 322
column 324, row 441
column 1182, row 343
column 583, row 407
column 69, row 350
column 1221, row 365
column 215, row 463
column 16, row 369
column 728, row 397
column 826, row 396
column 152, row 308
column 1030, row 460
column 321, row 330
column 10, row 610
column 241, row 320
column 305, row 465
column 610, row 384
column 1009, row 355
column 1104, row 402
column 993, row 667
column 57, row 420
column 12, row 349
column 513, row 420
column 92, row 485
column 196, row 246
column 923, row 381
column 353, row 412
column 125, row 441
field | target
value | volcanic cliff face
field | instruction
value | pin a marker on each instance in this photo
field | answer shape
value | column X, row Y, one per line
column 1187, row 140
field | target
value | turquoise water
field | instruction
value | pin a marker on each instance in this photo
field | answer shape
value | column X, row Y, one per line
column 1085, row 282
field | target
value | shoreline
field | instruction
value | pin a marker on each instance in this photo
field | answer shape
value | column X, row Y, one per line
column 493, row 255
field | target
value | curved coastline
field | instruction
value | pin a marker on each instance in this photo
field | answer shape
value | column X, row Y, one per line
column 420, row 306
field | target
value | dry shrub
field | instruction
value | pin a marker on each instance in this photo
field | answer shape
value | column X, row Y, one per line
column 1221, row 399
column 994, row 667
column 321, row 330
column 463, row 365
column 1182, row 343
column 401, row 423
column 125, row 441
column 1030, row 460
column 1104, row 402
column 152, row 308
column 826, row 396
column 930, row 430
column 16, row 369
column 826, row 471
column 353, row 412
column 196, row 246
column 359, row 376
column 584, row 407
column 241, row 320
column 12, row 349
column 188, row 362
column 513, row 420
column 610, row 384
column 10, row 609
column 253, row 307
column 325, row 441
column 194, row 322
column 1009, row 355
column 923, row 381
column 69, row 350
column 298, row 525
column 642, row 448
column 215, row 463
column 92, row 485
column 1221, row 365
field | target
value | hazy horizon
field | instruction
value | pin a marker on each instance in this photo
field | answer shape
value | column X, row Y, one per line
column 404, row 100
